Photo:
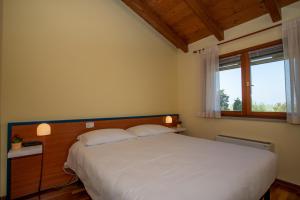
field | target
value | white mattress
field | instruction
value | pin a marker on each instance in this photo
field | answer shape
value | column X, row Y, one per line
column 173, row 167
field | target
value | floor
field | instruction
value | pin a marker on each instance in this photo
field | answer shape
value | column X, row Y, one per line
column 73, row 192
column 76, row 191
column 281, row 193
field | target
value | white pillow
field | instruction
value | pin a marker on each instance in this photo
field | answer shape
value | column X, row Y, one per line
column 102, row 136
column 149, row 129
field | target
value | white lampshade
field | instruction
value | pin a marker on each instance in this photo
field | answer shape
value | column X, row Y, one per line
column 43, row 129
column 168, row 120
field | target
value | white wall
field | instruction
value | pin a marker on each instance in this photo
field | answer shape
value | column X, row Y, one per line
column 190, row 79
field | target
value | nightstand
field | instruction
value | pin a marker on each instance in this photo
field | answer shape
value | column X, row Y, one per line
column 179, row 130
column 25, row 167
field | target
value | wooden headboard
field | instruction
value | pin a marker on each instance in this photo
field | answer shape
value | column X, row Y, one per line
column 64, row 134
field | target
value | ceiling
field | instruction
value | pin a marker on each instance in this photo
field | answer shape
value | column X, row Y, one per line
column 185, row 21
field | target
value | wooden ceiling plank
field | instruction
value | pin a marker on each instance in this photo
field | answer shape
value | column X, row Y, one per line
column 143, row 10
column 274, row 9
column 201, row 12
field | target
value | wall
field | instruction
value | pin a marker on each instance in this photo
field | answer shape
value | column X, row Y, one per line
column 65, row 59
column 190, row 78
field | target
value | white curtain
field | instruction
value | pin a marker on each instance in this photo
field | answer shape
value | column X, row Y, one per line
column 211, row 107
column 291, row 46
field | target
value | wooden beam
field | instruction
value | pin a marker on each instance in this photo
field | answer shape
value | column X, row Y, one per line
column 142, row 9
column 273, row 9
column 201, row 12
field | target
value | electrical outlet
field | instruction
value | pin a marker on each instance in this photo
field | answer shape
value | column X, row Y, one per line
column 199, row 114
column 89, row 124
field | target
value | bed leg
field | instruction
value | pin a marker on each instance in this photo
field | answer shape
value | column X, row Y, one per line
column 267, row 195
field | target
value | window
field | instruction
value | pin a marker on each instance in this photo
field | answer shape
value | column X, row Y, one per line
column 231, row 91
column 252, row 82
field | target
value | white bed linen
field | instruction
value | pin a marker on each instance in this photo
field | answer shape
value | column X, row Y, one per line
column 173, row 167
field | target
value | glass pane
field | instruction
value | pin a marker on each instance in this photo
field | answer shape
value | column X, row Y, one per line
column 231, row 84
column 268, row 80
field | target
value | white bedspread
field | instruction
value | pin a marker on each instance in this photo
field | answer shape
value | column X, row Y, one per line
column 173, row 167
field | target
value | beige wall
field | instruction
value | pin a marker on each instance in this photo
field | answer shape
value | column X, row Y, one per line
column 65, row 59
column 190, row 78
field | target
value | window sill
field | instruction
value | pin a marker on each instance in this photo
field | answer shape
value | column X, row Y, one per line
column 255, row 115
column 254, row 119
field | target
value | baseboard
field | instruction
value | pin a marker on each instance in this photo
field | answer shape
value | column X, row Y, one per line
column 287, row 185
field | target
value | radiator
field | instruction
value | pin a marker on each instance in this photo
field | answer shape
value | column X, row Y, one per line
column 246, row 142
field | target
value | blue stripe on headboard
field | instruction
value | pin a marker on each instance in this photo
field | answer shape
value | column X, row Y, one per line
column 86, row 119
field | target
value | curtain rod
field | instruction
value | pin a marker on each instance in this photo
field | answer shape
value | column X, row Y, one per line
column 199, row 50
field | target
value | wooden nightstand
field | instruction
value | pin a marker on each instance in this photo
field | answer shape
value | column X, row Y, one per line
column 179, row 130
column 25, row 167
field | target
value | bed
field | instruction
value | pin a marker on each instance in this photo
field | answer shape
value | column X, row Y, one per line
column 172, row 167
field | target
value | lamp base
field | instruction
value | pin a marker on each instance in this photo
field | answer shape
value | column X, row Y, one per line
column 31, row 143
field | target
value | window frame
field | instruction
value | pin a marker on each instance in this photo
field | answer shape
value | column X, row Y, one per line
column 246, row 88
